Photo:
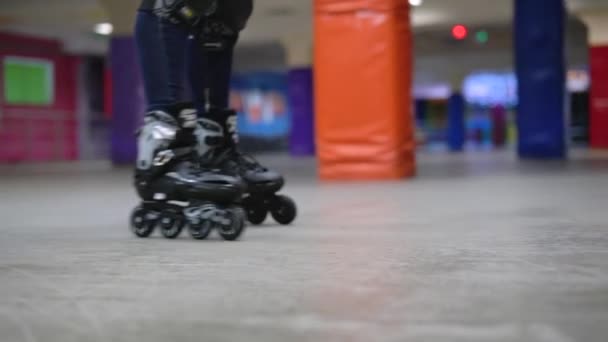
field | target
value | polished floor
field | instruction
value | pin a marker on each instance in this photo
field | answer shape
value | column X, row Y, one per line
column 479, row 247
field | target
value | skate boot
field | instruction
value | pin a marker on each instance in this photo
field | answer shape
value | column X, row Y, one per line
column 176, row 192
column 218, row 148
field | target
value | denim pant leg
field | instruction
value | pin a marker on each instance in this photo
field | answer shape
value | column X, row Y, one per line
column 175, row 40
column 153, row 61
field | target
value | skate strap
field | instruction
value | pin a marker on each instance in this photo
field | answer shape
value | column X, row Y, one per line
column 182, row 152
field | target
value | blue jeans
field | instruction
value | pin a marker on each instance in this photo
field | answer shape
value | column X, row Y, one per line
column 175, row 40
column 168, row 52
column 152, row 61
column 162, row 51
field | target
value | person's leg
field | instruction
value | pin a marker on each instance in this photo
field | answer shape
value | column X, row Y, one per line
column 197, row 66
column 210, row 65
column 210, row 71
column 220, row 71
column 166, row 142
column 175, row 40
column 153, row 61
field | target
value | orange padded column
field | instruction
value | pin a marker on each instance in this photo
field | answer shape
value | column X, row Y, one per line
column 363, row 73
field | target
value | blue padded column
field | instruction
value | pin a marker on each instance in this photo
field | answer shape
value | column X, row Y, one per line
column 540, row 67
column 456, row 125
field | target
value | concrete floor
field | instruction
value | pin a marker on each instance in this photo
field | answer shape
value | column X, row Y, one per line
column 479, row 247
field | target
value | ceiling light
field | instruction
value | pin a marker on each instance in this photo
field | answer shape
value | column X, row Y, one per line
column 104, row 29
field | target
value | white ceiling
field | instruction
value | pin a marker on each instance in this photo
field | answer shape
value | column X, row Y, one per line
column 72, row 20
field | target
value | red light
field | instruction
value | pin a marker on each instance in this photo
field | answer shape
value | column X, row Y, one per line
column 459, row 32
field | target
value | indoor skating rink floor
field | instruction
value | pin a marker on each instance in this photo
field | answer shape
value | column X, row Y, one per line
column 479, row 247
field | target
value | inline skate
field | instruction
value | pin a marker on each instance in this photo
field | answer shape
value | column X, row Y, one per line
column 262, row 184
column 176, row 191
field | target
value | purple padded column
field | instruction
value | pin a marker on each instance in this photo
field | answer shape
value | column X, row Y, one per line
column 301, row 101
column 128, row 102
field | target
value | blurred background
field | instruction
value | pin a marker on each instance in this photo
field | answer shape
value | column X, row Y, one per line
column 58, row 104
column 498, row 107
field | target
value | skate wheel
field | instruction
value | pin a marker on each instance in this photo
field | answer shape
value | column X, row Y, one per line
column 200, row 231
column 171, row 225
column 255, row 210
column 283, row 209
column 141, row 224
column 236, row 227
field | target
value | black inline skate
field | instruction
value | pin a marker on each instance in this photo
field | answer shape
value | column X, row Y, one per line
column 176, row 192
column 262, row 184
